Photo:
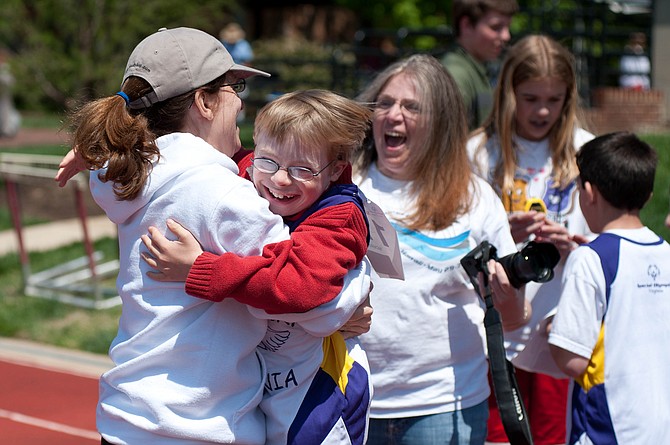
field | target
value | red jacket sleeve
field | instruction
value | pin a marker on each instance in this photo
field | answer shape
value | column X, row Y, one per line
column 295, row 275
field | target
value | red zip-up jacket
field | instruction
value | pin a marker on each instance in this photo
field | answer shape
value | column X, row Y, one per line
column 295, row 275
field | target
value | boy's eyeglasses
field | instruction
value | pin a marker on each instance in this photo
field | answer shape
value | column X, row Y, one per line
column 302, row 174
column 237, row 87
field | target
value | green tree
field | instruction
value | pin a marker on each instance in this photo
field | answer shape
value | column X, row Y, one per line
column 391, row 14
column 64, row 51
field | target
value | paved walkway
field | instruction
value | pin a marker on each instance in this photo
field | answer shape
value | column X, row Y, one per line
column 35, row 136
column 52, row 235
column 85, row 364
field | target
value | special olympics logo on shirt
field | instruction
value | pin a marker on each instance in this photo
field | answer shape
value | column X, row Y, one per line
column 653, row 271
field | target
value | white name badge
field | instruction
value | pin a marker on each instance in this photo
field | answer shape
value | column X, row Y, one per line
column 383, row 251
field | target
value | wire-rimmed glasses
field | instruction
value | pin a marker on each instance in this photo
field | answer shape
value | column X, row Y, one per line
column 302, row 174
column 409, row 108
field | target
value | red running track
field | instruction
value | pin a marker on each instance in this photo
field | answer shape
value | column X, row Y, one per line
column 46, row 405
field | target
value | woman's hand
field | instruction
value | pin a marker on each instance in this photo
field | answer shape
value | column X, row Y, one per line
column 514, row 310
column 524, row 224
column 71, row 164
column 171, row 259
column 360, row 321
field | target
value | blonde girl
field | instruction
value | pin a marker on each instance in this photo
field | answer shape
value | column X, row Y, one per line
column 526, row 150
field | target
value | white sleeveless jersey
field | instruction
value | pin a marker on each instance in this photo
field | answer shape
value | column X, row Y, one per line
column 615, row 310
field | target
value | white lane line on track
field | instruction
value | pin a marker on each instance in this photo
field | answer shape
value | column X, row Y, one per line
column 46, row 424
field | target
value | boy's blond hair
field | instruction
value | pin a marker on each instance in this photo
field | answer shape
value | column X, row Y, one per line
column 310, row 118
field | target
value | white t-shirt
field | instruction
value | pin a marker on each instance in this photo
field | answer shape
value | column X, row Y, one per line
column 527, row 346
column 635, row 70
column 533, row 177
column 614, row 310
column 427, row 347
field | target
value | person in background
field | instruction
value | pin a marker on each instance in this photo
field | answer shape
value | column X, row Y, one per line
column 634, row 65
column 185, row 370
column 611, row 327
column 10, row 118
column 526, row 150
column 426, row 347
column 481, row 28
column 234, row 40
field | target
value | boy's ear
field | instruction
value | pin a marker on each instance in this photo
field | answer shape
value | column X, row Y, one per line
column 651, row 195
column 591, row 192
column 465, row 23
column 338, row 168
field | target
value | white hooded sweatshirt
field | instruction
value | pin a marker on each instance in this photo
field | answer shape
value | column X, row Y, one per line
column 186, row 369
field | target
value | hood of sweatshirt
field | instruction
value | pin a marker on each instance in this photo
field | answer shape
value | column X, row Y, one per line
column 180, row 152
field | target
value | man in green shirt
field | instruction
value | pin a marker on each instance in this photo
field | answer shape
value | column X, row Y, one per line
column 481, row 28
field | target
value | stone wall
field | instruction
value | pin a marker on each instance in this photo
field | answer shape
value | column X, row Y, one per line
column 617, row 109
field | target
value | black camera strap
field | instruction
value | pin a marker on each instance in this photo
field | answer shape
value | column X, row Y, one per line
column 505, row 387
column 543, row 257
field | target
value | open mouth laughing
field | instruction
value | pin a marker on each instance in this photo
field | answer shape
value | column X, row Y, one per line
column 394, row 139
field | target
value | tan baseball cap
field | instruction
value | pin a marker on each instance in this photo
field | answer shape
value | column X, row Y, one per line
column 176, row 61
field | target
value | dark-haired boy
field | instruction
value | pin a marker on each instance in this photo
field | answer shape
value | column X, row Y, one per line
column 481, row 28
column 611, row 327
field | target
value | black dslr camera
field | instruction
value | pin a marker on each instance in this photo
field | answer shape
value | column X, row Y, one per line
column 534, row 262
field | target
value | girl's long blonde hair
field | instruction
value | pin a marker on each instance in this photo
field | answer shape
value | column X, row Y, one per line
column 534, row 57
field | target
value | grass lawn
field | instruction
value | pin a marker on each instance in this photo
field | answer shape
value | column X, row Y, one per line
column 92, row 330
column 40, row 120
column 656, row 210
column 49, row 321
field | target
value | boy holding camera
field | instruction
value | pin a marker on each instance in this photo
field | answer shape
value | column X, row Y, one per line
column 610, row 330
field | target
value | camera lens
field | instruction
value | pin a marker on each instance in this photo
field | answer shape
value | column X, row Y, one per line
column 535, row 262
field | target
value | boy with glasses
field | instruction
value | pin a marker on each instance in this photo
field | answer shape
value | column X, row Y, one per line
column 317, row 389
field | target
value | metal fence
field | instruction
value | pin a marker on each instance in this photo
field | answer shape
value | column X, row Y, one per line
column 78, row 282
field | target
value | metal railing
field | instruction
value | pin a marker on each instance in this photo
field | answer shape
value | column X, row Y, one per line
column 78, row 282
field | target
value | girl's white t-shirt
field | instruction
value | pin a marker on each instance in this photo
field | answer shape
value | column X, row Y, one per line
column 527, row 346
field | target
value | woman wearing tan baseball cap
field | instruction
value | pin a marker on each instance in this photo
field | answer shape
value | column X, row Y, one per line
column 186, row 369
